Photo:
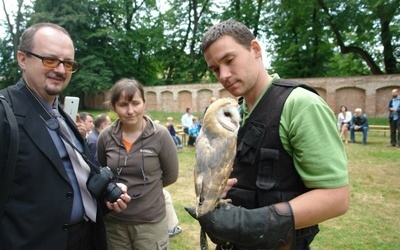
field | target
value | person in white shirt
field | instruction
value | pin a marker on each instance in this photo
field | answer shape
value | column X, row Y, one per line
column 187, row 123
column 172, row 218
column 344, row 119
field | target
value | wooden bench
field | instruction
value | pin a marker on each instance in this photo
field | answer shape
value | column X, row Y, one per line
column 379, row 128
column 179, row 131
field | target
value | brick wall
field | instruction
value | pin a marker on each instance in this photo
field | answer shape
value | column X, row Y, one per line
column 371, row 93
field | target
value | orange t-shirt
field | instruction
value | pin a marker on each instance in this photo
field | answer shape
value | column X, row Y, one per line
column 127, row 144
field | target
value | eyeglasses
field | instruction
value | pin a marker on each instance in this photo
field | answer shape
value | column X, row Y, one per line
column 53, row 62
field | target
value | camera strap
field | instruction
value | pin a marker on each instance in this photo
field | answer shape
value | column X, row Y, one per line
column 52, row 123
column 80, row 165
column 55, row 124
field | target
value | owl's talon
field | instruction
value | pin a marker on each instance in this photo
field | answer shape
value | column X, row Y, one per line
column 223, row 202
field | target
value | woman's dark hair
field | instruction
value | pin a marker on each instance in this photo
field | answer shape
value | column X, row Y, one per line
column 127, row 85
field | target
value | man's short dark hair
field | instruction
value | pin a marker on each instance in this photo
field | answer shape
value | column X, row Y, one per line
column 238, row 31
column 100, row 119
column 84, row 115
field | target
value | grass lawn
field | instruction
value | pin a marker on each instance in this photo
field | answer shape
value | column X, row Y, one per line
column 372, row 221
column 374, row 215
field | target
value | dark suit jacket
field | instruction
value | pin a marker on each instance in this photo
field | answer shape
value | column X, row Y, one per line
column 390, row 113
column 40, row 200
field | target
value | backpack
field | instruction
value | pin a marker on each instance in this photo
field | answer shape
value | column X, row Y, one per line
column 7, row 174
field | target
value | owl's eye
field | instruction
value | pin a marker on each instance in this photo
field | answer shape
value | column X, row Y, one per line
column 227, row 114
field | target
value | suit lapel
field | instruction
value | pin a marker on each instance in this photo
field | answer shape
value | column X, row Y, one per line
column 26, row 116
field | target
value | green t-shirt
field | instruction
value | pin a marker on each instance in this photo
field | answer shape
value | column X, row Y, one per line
column 309, row 134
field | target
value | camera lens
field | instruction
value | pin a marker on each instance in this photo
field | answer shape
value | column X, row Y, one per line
column 112, row 192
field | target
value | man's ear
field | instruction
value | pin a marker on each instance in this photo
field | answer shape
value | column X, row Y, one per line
column 21, row 56
column 255, row 46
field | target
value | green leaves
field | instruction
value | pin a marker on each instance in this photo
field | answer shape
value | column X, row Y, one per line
column 157, row 42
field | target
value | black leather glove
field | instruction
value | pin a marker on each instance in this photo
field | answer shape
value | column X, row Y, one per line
column 270, row 227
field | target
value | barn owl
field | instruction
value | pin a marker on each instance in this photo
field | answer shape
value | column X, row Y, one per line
column 215, row 152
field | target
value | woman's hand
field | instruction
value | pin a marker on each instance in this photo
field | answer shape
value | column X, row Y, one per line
column 122, row 203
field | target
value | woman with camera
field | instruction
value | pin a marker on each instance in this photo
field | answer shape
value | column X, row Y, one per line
column 143, row 156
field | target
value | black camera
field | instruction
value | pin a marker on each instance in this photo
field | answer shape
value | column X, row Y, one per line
column 103, row 183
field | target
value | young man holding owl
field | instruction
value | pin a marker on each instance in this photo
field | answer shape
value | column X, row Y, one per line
column 284, row 180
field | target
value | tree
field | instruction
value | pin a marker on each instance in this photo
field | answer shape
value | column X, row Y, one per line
column 8, row 51
column 301, row 43
column 354, row 23
column 134, row 38
column 8, row 66
column 127, row 35
column 184, row 23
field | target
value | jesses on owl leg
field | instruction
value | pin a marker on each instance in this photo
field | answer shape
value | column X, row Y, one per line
column 203, row 240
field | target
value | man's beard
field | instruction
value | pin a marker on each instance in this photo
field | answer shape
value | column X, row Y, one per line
column 53, row 91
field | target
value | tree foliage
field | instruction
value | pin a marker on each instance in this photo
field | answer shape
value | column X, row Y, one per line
column 157, row 42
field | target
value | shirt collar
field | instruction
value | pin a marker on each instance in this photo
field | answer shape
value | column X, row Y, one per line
column 246, row 113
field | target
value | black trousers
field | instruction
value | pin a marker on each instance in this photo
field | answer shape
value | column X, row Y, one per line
column 80, row 236
column 394, row 132
column 192, row 139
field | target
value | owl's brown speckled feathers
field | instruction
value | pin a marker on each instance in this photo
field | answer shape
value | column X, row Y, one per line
column 215, row 152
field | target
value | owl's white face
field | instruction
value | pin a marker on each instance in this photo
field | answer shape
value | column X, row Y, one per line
column 222, row 117
column 229, row 118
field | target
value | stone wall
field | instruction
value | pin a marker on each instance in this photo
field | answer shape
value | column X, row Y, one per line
column 371, row 93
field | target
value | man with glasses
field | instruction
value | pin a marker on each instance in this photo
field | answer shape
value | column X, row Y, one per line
column 48, row 204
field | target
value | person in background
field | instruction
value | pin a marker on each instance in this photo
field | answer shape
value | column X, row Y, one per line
column 170, row 126
column 199, row 123
column 194, row 131
column 87, row 120
column 344, row 119
column 284, row 180
column 187, row 123
column 394, row 121
column 101, row 122
column 172, row 218
column 143, row 156
column 49, row 206
column 359, row 122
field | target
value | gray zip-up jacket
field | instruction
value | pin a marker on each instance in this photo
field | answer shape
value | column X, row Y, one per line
column 151, row 164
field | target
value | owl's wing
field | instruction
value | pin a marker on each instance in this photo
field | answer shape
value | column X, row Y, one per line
column 214, row 160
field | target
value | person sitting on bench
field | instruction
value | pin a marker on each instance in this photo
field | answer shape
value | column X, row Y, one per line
column 359, row 122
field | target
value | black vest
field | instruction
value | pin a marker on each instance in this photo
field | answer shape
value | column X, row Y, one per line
column 265, row 171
